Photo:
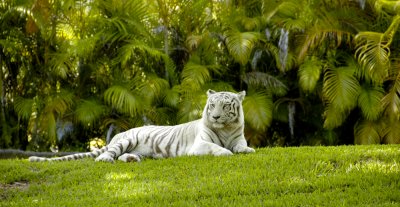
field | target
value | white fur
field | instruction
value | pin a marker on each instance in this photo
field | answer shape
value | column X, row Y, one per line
column 219, row 132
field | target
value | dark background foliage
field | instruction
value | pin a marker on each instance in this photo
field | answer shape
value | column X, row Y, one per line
column 316, row 72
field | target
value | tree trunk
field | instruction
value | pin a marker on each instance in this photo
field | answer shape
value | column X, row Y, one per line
column 166, row 48
column 4, row 127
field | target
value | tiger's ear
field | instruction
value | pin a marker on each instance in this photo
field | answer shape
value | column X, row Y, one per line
column 209, row 92
column 241, row 95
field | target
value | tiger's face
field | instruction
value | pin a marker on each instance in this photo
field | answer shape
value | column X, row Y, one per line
column 224, row 108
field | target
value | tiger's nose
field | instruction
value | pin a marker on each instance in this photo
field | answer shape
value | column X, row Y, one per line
column 216, row 117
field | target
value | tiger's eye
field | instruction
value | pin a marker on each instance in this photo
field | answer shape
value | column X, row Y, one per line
column 227, row 107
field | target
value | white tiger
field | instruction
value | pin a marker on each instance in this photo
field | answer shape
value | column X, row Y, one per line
column 218, row 132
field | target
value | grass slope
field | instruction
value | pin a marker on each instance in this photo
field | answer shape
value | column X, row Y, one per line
column 304, row 176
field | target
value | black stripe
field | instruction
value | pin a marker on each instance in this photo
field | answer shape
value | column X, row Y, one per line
column 177, row 147
column 111, row 153
column 147, row 139
column 171, row 140
column 130, row 146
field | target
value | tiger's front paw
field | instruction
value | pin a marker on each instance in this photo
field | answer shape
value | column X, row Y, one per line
column 129, row 158
column 243, row 149
column 223, row 152
column 104, row 158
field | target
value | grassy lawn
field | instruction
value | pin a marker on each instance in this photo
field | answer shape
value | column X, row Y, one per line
column 303, row 176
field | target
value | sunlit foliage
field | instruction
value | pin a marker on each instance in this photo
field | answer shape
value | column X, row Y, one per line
column 71, row 70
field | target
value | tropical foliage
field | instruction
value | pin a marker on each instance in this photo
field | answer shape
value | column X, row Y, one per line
column 315, row 72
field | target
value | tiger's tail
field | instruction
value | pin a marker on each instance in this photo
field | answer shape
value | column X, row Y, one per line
column 77, row 156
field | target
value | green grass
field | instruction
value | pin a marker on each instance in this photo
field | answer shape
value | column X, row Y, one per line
column 303, row 176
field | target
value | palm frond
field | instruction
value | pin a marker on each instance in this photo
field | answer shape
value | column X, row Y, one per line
column 191, row 105
column 373, row 55
column 240, row 44
column 124, row 100
column 275, row 52
column 218, row 86
column 341, row 88
column 392, row 132
column 391, row 100
column 60, row 102
column 133, row 48
column 195, row 74
column 279, row 11
column 193, row 41
column 258, row 109
column 289, row 15
column 124, row 123
column 281, row 112
column 89, row 111
column 154, row 87
column 334, row 117
column 328, row 28
column 85, row 47
column 250, row 23
column 161, row 116
column 370, row 101
column 391, row 7
column 65, row 31
column 61, row 63
column 23, row 107
column 309, row 73
column 47, row 122
column 130, row 15
column 367, row 132
column 391, row 31
column 271, row 83
column 172, row 97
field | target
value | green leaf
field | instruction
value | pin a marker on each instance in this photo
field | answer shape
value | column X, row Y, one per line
column 341, row 88
column 172, row 97
column 23, row 107
column 367, row 132
column 191, row 105
column 89, row 111
column 391, row 101
column 274, row 51
column 325, row 30
column 309, row 73
column 154, row 88
column 240, row 45
column 373, row 54
column 392, row 132
column 124, row 100
column 370, row 101
column 134, row 48
column 60, row 103
column 196, row 74
column 61, row 64
column 271, row 83
column 334, row 117
column 48, row 124
column 258, row 109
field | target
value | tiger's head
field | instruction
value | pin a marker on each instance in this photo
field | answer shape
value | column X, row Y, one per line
column 224, row 109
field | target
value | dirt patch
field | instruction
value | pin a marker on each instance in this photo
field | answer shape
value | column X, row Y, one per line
column 21, row 185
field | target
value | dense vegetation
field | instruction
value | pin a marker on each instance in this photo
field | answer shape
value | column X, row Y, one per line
column 316, row 72
column 303, row 176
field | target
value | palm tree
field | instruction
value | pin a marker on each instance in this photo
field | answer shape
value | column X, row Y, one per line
column 74, row 70
column 349, row 83
column 379, row 66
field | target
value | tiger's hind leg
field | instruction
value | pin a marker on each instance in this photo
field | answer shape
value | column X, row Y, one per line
column 130, row 157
